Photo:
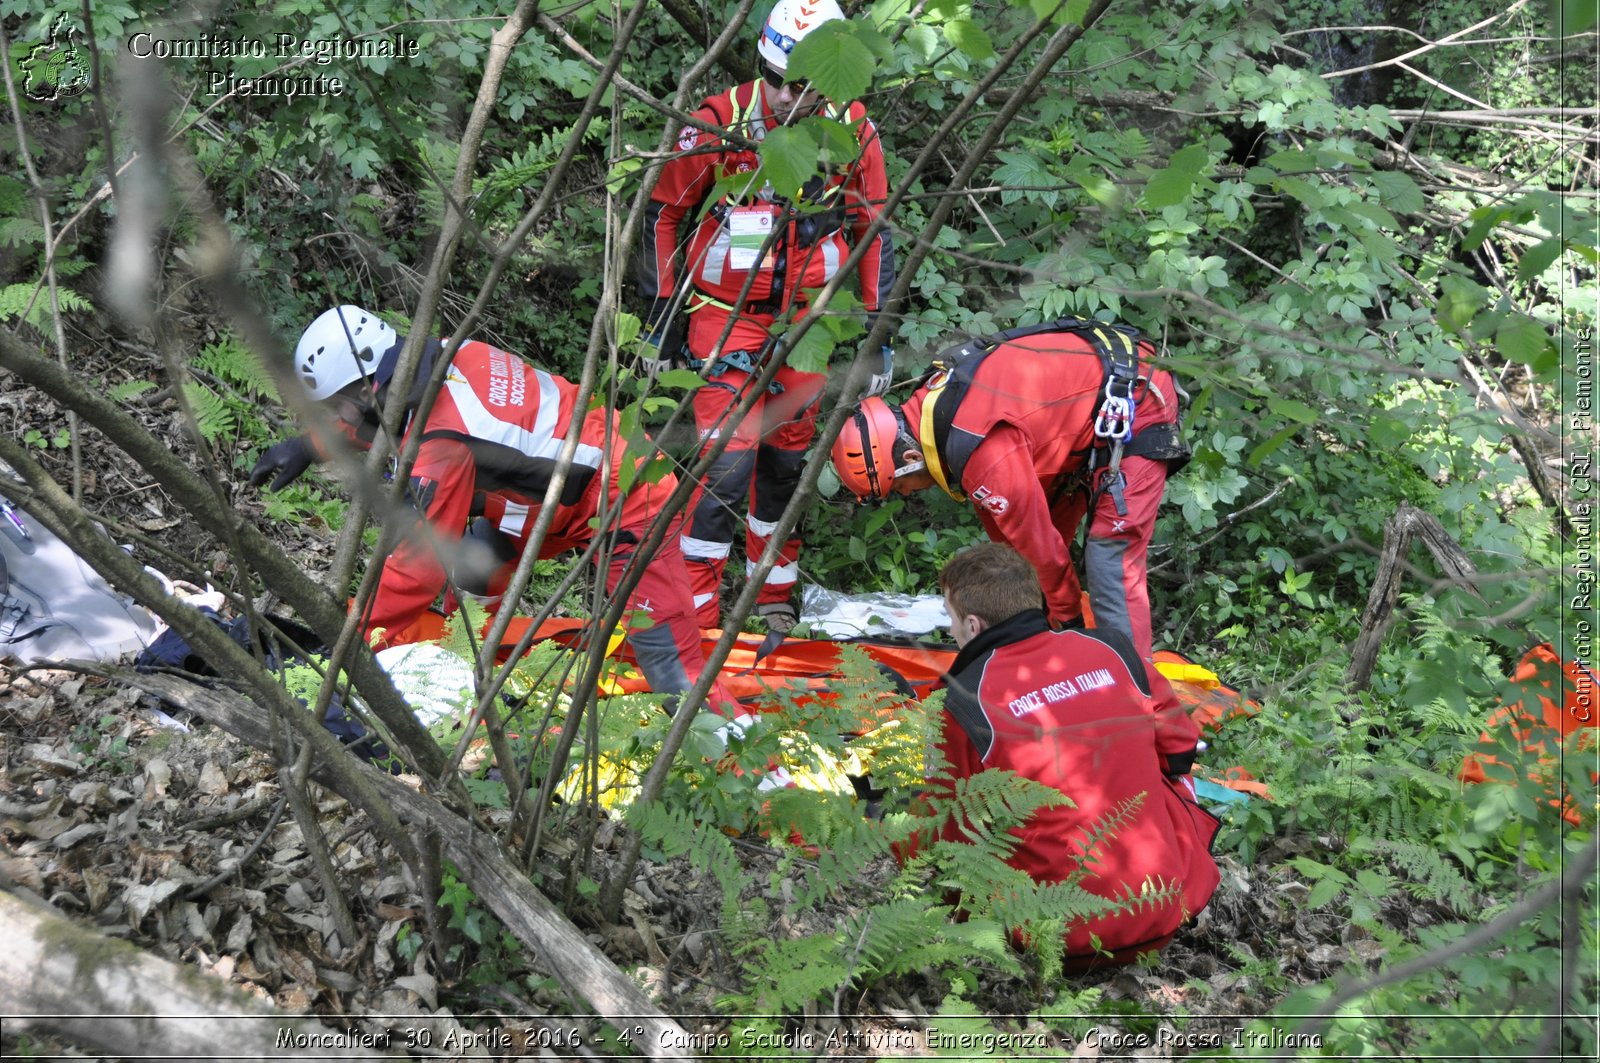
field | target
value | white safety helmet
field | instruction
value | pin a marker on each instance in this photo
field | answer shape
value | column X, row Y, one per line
column 789, row 22
column 342, row 345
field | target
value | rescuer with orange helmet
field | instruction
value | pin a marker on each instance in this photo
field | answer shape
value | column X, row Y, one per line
column 1037, row 427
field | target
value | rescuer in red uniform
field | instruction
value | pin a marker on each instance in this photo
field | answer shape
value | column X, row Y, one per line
column 721, row 265
column 1036, row 427
column 1078, row 712
column 489, row 447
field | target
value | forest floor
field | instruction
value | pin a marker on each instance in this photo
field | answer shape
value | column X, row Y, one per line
column 170, row 834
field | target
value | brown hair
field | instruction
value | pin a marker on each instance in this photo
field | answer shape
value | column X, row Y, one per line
column 992, row 582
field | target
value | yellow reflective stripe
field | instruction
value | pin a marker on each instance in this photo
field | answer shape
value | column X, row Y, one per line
column 930, row 449
column 742, row 112
column 705, row 301
column 1117, row 339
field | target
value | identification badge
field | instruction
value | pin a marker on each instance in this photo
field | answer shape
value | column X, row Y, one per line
column 748, row 230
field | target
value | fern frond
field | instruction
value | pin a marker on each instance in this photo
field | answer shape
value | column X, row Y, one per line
column 1151, row 893
column 845, row 842
column 987, row 805
column 520, row 170
column 1106, row 827
column 978, row 873
column 13, row 196
column 1427, row 872
column 129, row 389
column 20, row 232
column 212, row 416
column 1065, row 901
column 461, row 630
column 237, row 365
column 15, row 298
column 675, row 832
column 789, row 974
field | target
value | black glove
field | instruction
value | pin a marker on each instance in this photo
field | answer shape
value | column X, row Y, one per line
column 665, row 343
column 882, row 376
column 1180, row 763
column 285, row 462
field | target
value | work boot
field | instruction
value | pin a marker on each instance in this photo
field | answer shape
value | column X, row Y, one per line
column 780, row 617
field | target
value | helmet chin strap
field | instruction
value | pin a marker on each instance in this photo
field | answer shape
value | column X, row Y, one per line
column 904, row 441
column 906, row 470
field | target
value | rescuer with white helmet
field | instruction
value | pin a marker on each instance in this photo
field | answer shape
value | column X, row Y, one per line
column 490, row 447
column 724, row 265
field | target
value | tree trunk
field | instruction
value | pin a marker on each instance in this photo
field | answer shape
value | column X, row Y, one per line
column 1379, row 613
column 106, row 994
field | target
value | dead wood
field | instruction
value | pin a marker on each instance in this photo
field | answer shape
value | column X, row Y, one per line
column 583, row 970
column 1398, row 531
column 107, row 994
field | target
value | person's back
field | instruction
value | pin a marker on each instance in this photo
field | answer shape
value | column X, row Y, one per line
column 1076, row 711
column 1050, row 387
column 505, row 422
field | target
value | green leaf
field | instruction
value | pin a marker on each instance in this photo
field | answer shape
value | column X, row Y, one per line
column 789, row 158
column 1266, row 449
column 621, row 170
column 1323, row 892
column 628, row 326
column 969, row 38
column 1388, row 433
column 811, row 354
column 835, row 60
column 1069, row 13
column 1398, row 192
column 1173, row 185
column 837, row 141
column 1375, row 214
column 679, row 378
column 1304, row 191
column 1459, row 302
column 1522, row 339
column 1294, row 410
column 1293, row 160
column 1099, row 188
column 1537, row 259
column 1021, row 168
column 923, row 41
column 1483, row 219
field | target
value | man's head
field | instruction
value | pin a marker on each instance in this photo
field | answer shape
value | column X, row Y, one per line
column 985, row 585
column 785, row 27
column 342, row 346
column 876, row 454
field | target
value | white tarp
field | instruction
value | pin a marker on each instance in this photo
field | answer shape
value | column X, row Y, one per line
column 54, row 607
column 847, row 616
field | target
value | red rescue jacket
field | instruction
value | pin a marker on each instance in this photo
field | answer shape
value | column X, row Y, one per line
column 810, row 245
column 489, row 447
column 1021, row 436
column 1077, row 711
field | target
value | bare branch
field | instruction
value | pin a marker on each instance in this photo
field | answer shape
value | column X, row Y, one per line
column 1431, row 45
column 50, row 247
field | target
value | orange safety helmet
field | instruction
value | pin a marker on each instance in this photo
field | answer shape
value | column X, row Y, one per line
column 864, row 454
